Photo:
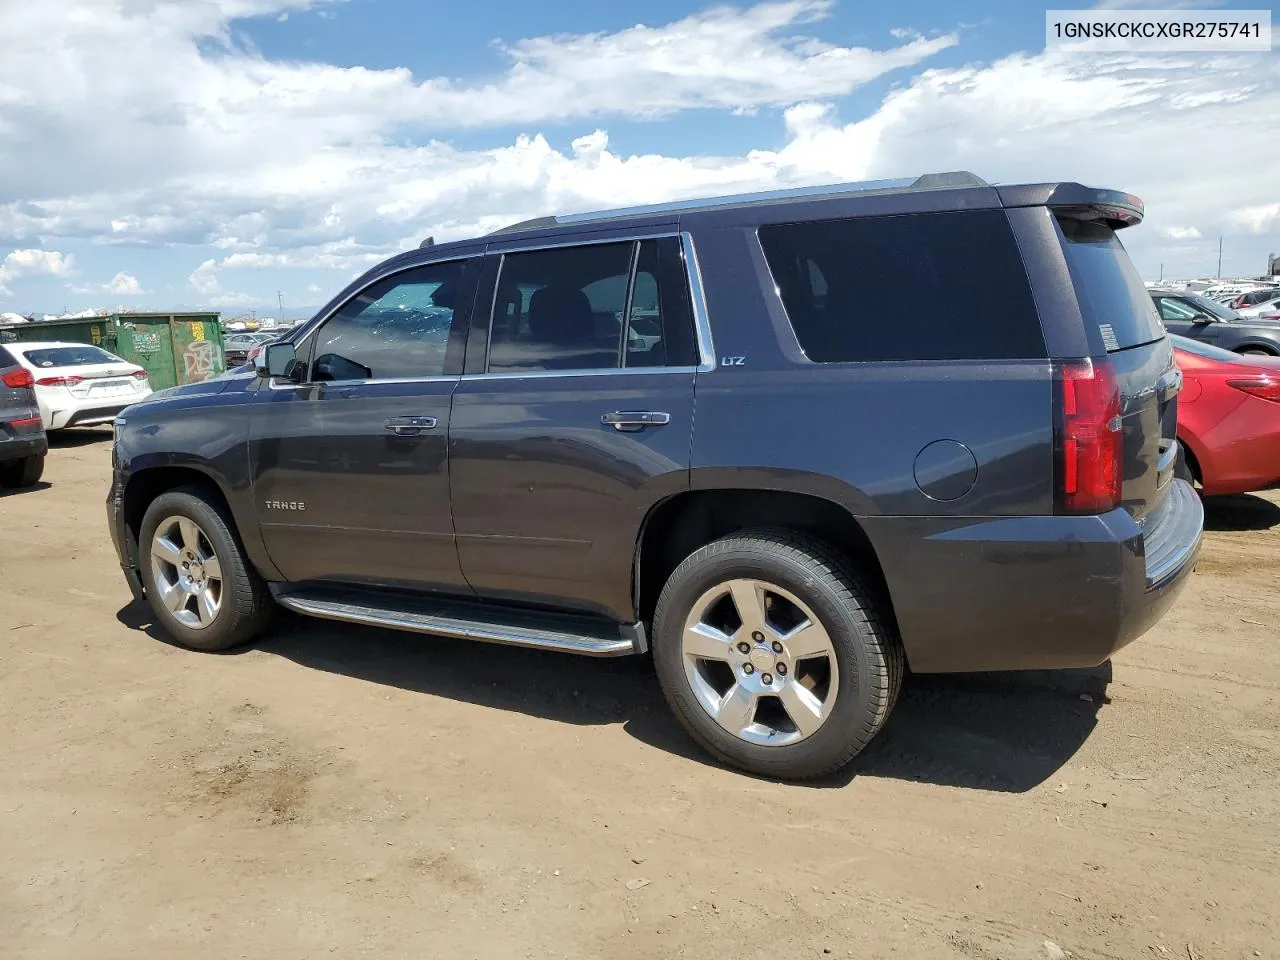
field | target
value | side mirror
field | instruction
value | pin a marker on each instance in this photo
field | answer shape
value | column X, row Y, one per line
column 278, row 360
column 1202, row 318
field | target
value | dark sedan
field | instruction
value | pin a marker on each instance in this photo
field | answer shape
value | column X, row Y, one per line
column 1199, row 318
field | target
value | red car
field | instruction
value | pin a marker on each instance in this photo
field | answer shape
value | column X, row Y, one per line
column 1229, row 417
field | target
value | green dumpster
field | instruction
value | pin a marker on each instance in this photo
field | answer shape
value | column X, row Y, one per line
column 100, row 331
column 174, row 348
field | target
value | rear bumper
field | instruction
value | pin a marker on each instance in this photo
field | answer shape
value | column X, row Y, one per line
column 19, row 448
column 1025, row 593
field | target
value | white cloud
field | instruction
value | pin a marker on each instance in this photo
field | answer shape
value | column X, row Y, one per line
column 19, row 263
column 233, row 300
column 1259, row 219
column 1181, row 233
column 204, row 279
column 266, row 165
column 121, row 285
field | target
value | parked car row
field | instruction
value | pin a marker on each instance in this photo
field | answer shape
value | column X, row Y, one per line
column 1198, row 317
column 240, row 347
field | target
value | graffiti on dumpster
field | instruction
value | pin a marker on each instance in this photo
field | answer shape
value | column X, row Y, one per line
column 200, row 360
column 146, row 344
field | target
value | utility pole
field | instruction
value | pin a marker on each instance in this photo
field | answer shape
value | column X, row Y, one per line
column 1162, row 273
column 280, row 297
column 1219, row 256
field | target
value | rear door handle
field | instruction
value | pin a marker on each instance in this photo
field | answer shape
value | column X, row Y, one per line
column 409, row 426
column 632, row 420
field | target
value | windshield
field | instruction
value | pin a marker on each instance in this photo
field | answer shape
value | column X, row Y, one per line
column 1111, row 293
column 1212, row 307
column 1187, row 345
column 69, row 356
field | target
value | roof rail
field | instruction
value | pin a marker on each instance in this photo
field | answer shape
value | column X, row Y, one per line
column 929, row 181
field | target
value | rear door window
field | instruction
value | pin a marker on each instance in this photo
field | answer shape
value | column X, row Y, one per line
column 1110, row 292
column 928, row 286
column 592, row 307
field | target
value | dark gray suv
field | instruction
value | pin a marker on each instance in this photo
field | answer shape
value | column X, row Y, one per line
column 714, row 431
column 22, row 438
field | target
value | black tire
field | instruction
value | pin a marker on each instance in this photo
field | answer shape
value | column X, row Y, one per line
column 868, row 655
column 245, row 603
column 22, row 473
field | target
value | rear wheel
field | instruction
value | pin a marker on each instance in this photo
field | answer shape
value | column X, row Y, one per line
column 22, row 473
column 770, row 651
column 1256, row 352
column 199, row 584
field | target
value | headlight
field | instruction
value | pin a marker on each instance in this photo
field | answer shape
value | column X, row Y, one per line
column 117, row 427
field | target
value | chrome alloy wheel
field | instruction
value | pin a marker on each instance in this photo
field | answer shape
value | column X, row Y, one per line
column 759, row 662
column 187, row 573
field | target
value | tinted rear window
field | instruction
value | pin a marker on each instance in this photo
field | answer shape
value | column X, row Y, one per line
column 68, row 356
column 1110, row 291
column 927, row 286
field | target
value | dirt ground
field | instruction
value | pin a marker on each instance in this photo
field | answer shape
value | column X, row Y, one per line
column 355, row 792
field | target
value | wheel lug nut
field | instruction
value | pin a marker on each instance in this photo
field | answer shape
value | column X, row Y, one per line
column 780, row 669
column 748, row 668
column 758, row 637
column 767, row 678
column 777, row 647
column 743, row 648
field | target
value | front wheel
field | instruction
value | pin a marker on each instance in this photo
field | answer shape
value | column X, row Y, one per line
column 199, row 584
column 1256, row 352
column 772, row 654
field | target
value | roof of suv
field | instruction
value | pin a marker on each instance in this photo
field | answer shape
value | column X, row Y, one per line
column 933, row 192
column 1120, row 209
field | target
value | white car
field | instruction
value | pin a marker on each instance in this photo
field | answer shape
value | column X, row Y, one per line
column 78, row 384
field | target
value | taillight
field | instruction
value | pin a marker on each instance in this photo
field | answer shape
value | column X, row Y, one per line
column 139, row 374
column 1089, row 443
column 1267, row 388
column 18, row 378
column 59, row 381
column 253, row 354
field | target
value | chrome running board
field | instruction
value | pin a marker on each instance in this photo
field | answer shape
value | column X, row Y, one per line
column 473, row 621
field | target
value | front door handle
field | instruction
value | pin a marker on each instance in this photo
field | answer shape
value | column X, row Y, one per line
column 633, row 420
column 409, row 426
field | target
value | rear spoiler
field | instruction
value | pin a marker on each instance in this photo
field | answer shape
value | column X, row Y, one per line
column 1077, row 202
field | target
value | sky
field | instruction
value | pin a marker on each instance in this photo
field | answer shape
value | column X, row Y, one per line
column 230, row 154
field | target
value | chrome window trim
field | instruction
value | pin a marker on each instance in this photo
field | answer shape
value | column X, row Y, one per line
column 274, row 384
column 697, row 303
column 698, row 298
column 594, row 372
